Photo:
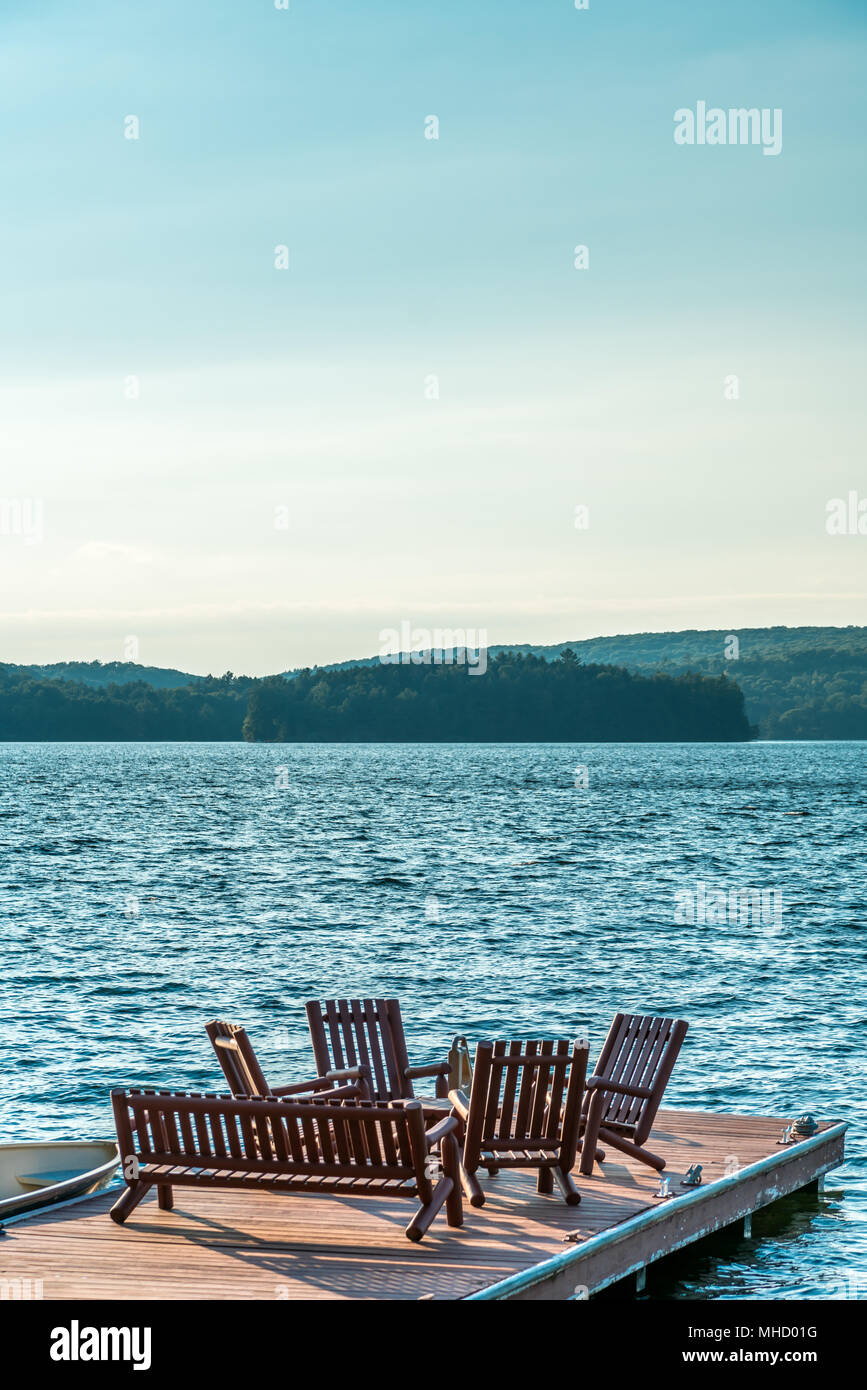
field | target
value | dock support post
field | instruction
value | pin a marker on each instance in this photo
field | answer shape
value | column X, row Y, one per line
column 641, row 1279
column 748, row 1226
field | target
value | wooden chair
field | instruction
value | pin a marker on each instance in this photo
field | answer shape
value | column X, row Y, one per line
column 626, row 1088
column 523, row 1111
column 241, row 1069
column 352, row 1149
column 365, row 1038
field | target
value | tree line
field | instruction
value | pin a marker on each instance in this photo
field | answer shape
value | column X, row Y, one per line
column 799, row 683
column 518, row 699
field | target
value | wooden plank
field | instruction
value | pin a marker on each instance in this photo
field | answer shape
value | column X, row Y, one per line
column 247, row 1243
column 633, row 1245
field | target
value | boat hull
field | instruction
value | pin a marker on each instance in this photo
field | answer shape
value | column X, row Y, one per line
column 39, row 1173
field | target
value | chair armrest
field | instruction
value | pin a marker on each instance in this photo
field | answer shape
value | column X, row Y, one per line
column 316, row 1083
column 346, row 1074
column 320, row 1085
column 432, row 1069
column 601, row 1083
column 460, row 1102
column 440, row 1130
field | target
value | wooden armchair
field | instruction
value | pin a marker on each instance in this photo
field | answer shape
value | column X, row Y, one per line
column 626, row 1088
column 364, row 1038
column 241, row 1069
column 523, row 1111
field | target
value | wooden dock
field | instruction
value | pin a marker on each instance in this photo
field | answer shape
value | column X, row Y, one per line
column 244, row 1245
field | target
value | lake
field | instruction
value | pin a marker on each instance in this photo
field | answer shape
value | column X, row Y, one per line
column 497, row 890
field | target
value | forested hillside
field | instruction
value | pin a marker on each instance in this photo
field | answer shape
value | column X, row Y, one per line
column 805, row 682
column 798, row 682
column 34, row 709
column 518, row 699
column 801, row 683
column 108, row 673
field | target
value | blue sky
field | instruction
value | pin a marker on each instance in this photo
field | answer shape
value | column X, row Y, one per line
column 304, row 389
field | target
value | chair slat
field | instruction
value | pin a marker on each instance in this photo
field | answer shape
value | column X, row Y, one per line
column 323, row 1134
column 311, row 1145
column 341, row 1135
column 389, row 1147
column 540, row 1090
column 396, row 1081
column 332, row 1019
column 492, row 1103
column 555, row 1101
column 279, row 1139
column 371, row 1141
column 187, row 1140
column 526, row 1092
column 508, row 1107
column 218, row 1140
column 402, row 1140
column 359, row 1025
column 203, row 1134
column 381, row 1084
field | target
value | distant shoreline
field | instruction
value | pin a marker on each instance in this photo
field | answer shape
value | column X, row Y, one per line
column 428, row 743
column 800, row 684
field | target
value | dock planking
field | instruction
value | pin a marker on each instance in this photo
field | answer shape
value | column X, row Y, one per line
column 520, row 1245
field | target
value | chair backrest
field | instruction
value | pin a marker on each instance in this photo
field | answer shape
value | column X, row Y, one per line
column 355, row 1139
column 362, row 1032
column 640, row 1051
column 517, row 1099
column 237, row 1058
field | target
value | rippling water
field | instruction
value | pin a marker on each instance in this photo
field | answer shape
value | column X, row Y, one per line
column 149, row 887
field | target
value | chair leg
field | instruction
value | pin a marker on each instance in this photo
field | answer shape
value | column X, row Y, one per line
column 425, row 1214
column 451, row 1161
column 128, row 1201
column 591, row 1132
column 600, row 1153
column 165, row 1198
column 626, row 1146
column 545, row 1181
column 470, row 1184
column 571, row 1195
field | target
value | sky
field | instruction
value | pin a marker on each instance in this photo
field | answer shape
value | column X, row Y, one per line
column 212, row 462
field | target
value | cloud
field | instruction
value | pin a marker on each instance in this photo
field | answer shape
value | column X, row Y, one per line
column 99, row 552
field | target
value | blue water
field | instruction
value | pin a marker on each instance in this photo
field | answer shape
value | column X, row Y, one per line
column 149, row 887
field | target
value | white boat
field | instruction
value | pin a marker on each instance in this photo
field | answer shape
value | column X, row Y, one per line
column 35, row 1174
